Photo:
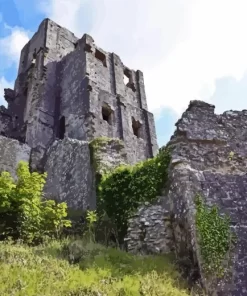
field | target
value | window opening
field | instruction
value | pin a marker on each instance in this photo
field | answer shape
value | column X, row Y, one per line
column 100, row 56
column 126, row 76
column 136, row 126
column 107, row 113
column 128, row 81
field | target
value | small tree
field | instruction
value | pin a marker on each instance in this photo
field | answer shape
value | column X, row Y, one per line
column 23, row 212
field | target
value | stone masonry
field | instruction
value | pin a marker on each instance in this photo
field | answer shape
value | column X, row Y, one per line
column 209, row 157
column 68, row 87
column 68, row 92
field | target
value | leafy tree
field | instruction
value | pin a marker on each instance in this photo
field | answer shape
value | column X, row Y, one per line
column 24, row 214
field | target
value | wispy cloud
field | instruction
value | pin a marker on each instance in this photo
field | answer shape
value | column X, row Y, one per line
column 11, row 45
column 183, row 47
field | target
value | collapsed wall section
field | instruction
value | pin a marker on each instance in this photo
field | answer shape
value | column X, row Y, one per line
column 210, row 152
column 208, row 157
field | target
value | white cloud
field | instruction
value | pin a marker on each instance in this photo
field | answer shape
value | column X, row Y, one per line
column 181, row 46
column 12, row 44
column 4, row 84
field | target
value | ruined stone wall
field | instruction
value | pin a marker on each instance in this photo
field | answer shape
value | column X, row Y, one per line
column 69, row 87
column 209, row 157
column 73, row 96
column 70, row 175
column 5, row 121
column 44, row 103
column 72, row 166
column 150, row 229
column 107, row 154
column 12, row 152
column 203, row 145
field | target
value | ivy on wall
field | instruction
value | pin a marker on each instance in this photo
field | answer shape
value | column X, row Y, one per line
column 123, row 190
column 215, row 237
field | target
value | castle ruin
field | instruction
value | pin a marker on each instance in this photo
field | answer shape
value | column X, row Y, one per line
column 69, row 87
column 69, row 92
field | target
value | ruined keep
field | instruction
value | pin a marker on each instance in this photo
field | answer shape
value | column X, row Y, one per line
column 69, row 87
column 68, row 92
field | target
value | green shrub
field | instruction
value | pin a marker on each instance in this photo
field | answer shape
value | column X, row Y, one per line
column 23, row 213
column 122, row 191
column 215, row 237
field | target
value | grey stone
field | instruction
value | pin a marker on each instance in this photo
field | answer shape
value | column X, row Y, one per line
column 150, row 231
column 70, row 175
column 11, row 153
column 209, row 157
column 70, row 87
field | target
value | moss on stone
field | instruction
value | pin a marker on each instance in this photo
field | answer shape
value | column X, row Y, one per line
column 97, row 148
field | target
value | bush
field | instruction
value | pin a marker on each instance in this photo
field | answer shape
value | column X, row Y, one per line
column 122, row 191
column 23, row 213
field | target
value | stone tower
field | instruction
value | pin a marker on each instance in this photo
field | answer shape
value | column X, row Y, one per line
column 69, row 87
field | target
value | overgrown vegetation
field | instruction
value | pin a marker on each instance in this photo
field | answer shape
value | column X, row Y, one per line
column 99, row 271
column 122, row 191
column 24, row 214
column 51, row 266
column 215, row 237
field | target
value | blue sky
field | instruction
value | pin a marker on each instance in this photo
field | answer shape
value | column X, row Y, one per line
column 193, row 49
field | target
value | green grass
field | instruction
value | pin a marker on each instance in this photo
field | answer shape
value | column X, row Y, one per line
column 75, row 269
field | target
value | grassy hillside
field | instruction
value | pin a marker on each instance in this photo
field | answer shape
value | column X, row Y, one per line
column 75, row 269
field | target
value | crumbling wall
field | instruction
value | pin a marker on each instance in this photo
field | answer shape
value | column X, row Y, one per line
column 107, row 154
column 150, row 229
column 70, row 175
column 5, row 121
column 209, row 157
column 11, row 153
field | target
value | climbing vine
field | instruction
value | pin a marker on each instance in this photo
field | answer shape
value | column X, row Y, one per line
column 215, row 237
column 122, row 191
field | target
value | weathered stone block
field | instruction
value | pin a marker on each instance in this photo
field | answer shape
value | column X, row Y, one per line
column 107, row 154
column 70, row 175
column 11, row 153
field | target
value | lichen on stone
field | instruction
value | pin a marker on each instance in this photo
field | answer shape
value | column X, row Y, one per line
column 107, row 154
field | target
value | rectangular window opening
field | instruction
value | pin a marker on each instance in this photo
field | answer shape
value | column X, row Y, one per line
column 100, row 56
column 126, row 76
column 136, row 127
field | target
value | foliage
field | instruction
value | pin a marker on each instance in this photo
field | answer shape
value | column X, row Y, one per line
column 122, row 191
column 91, row 218
column 23, row 213
column 215, row 237
column 45, row 270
